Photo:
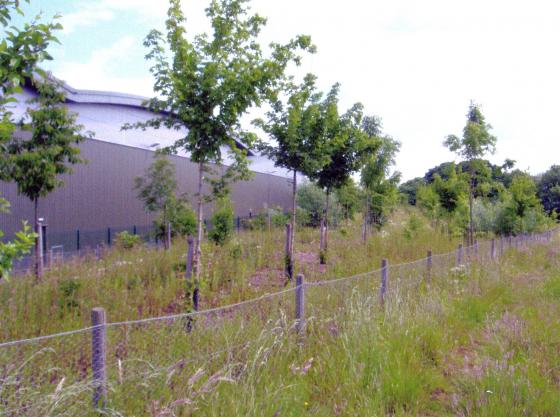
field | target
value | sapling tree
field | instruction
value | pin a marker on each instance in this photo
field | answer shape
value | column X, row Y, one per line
column 380, row 185
column 472, row 146
column 21, row 49
column 157, row 189
column 347, row 145
column 36, row 163
column 204, row 85
column 297, row 128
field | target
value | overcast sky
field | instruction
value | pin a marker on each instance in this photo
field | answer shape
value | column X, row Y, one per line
column 417, row 64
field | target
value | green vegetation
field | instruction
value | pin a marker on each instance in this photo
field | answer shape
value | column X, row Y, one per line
column 21, row 50
column 222, row 222
column 205, row 84
column 478, row 340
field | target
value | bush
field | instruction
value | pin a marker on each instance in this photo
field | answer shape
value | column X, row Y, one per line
column 222, row 222
column 312, row 201
column 413, row 227
column 183, row 222
column 182, row 218
column 126, row 240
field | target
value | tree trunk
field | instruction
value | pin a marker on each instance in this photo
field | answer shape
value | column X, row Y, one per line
column 327, row 222
column 364, row 229
column 38, row 244
column 165, row 232
column 293, row 221
column 471, row 221
column 197, row 249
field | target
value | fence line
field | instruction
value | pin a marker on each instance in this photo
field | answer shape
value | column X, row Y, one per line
column 117, row 355
column 242, row 303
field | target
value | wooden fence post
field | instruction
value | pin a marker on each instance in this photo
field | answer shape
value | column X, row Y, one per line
column 300, row 304
column 288, row 261
column 493, row 249
column 384, row 279
column 98, row 357
column 476, row 248
column 459, row 254
column 501, row 246
column 429, row 265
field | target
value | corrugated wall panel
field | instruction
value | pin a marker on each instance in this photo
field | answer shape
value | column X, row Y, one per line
column 100, row 194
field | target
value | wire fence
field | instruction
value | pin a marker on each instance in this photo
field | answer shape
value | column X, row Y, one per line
column 119, row 365
column 61, row 247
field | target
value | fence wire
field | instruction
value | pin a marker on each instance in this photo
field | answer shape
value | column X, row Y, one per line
column 153, row 357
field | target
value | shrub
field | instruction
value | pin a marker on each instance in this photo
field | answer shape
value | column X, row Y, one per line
column 126, row 240
column 68, row 289
column 222, row 222
column 312, row 201
column 413, row 227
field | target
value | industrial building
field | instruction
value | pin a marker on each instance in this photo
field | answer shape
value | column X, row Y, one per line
column 100, row 195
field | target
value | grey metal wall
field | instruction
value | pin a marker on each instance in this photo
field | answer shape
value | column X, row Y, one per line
column 100, row 193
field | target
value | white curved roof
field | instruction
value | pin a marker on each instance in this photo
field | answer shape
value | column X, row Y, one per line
column 104, row 113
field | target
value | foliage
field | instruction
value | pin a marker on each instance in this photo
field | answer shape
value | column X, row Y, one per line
column 157, row 188
column 518, row 211
column 380, row 185
column 549, row 189
column 413, row 227
column 453, row 191
column 20, row 52
column 127, row 240
column 472, row 146
column 523, row 212
column 15, row 249
column 311, row 201
column 350, row 199
column 428, row 200
column 476, row 140
column 205, row 84
column 182, row 218
column 297, row 127
column 35, row 164
column 410, row 189
column 346, row 144
column 446, row 200
column 222, row 222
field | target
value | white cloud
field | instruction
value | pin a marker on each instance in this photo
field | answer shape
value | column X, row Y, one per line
column 91, row 13
column 105, row 70
column 415, row 63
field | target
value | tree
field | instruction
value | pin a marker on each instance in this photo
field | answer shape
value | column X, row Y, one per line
column 523, row 211
column 157, row 189
column 472, row 146
column 206, row 84
column 379, row 184
column 347, row 146
column 21, row 50
column 298, row 129
column 349, row 196
column 35, row 164
column 549, row 189
column 410, row 189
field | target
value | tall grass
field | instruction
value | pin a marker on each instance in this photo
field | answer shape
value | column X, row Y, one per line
column 474, row 341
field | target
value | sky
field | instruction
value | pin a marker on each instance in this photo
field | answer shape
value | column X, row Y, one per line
column 416, row 64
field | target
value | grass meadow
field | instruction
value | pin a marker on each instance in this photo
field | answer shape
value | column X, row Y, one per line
column 479, row 339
